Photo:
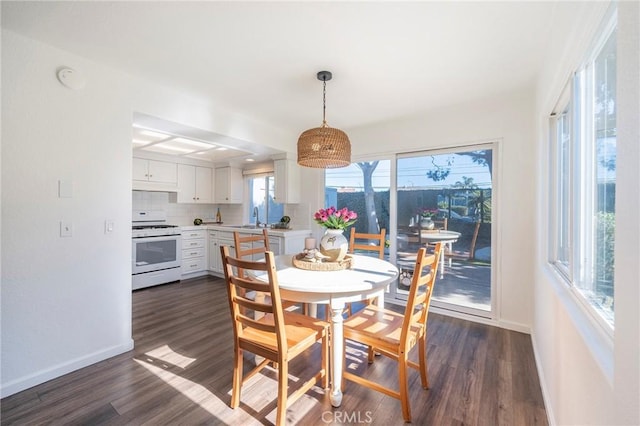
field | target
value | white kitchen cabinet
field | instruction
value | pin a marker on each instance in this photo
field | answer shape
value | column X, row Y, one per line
column 287, row 181
column 216, row 240
column 215, row 259
column 154, row 171
column 195, row 184
column 293, row 243
column 285, row 243
column 275, row 245
column 194, row 253
column 228, row 185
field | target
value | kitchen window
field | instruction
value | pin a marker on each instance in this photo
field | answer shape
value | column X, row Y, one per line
column 583, row 179
column 261, row 197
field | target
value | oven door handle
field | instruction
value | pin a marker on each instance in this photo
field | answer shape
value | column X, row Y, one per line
column 157, row 238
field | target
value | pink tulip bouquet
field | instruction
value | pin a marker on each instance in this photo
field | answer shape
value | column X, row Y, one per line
column 332, row 218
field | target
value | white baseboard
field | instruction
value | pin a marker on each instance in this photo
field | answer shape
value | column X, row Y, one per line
column 543, row 385
column 39, row 377
column 514, row 326
column 509, row 325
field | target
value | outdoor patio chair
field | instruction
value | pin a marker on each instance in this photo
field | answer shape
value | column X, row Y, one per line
column 464, row 254
column 441, row 223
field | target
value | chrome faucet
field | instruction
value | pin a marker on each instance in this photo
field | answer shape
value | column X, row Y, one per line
column 255, row 214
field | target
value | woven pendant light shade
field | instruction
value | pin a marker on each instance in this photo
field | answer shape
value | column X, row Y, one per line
column 324, row 147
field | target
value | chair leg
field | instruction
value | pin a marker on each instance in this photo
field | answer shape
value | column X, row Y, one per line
column 404, row 387
column 370, row 354
column 422, row 360
column 283, row 375
column 237, row 378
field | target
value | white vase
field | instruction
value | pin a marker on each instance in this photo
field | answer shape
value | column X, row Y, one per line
column 426, row 223
column 334, row 245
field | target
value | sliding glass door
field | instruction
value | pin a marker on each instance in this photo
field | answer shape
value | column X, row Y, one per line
column 447, row 196
column 420, row 198
column 364, row 188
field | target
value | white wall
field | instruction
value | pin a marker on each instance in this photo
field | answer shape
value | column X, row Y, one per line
column 66, row 302
column 587, row 376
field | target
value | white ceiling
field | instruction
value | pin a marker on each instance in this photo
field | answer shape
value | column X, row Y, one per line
column 389, row 59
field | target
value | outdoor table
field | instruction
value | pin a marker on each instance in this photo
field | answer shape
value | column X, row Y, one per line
column 444, row 236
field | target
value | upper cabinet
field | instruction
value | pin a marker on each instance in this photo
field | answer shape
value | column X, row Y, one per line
column 154, row 171
column 287, row 181
column 153, row 175
column 195, row 184
column 228, row 186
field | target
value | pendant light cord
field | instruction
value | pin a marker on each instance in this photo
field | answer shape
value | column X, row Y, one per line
column 324, row 102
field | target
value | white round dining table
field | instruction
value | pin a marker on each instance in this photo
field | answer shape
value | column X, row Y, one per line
column 367, row 278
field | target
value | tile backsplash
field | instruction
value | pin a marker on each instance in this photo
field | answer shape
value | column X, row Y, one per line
column 184, row 214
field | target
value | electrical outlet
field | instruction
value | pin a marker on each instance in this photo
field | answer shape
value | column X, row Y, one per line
column 66, row 229
column 108, row 226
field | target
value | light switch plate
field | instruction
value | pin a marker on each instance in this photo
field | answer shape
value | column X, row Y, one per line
column 65, row 189
column 66, row 228
column 108, row 226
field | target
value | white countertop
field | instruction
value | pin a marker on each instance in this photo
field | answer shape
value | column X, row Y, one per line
column 232, row 228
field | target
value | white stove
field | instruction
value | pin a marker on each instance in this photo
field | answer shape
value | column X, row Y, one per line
column 152, row 223
column 157, row 230
column 156, row 249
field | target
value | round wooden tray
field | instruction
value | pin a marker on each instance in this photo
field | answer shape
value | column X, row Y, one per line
column 300, row 263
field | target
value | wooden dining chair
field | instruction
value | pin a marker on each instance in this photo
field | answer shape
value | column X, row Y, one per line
column 253, row 247
column 278, row 336
column 394, row 335
column 362, row 242
column 367, row 242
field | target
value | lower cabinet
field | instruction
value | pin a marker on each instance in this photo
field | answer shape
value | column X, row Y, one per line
column 201, row 249
column 194, row 253
column 215, row 258
column 277, row 244
column 216, row 240
column 292, row 243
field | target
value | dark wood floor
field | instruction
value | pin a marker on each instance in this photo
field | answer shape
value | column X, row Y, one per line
column 180, row 373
